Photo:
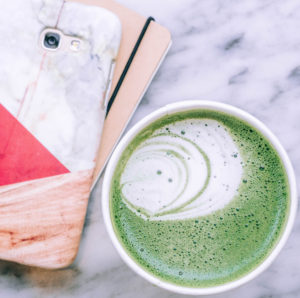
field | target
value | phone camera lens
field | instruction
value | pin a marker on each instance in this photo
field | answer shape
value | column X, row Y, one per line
column 51, row 40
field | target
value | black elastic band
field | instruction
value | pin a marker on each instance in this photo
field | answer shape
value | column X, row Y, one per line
column 127, row 66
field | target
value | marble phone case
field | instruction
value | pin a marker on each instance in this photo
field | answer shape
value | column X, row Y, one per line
column 52, row 109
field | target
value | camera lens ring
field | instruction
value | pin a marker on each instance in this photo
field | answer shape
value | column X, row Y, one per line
column 51, row 40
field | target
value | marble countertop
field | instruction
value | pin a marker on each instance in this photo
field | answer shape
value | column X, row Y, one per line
column 245, row 53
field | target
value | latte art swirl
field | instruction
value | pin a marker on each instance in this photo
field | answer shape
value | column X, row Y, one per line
column 187, row 169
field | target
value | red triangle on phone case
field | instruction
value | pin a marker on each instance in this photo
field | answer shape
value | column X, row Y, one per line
column 22, row 156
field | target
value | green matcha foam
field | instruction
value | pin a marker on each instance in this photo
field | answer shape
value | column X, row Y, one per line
column 184, row 216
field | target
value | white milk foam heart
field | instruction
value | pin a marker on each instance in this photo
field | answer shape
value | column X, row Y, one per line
column 186, row 169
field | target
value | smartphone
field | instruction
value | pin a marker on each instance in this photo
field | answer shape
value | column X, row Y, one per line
column 57, row 60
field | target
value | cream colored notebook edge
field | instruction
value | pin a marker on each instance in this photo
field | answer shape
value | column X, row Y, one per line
column 149, row 56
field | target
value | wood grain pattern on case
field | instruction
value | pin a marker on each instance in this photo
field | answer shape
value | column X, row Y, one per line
column 41, row 220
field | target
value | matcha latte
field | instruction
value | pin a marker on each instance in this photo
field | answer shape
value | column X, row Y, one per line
column 199, row 198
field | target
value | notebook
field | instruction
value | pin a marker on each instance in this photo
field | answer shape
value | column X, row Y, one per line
column 150, row 53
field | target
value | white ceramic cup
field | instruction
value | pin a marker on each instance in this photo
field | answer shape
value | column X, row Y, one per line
column 174, row 108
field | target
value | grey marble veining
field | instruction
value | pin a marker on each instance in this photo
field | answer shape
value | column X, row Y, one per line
column 56, row 96
column 245, row 53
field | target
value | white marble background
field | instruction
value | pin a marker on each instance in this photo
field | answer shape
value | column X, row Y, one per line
column 246, row 53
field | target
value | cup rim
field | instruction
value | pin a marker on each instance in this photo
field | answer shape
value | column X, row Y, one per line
column 179, row 107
